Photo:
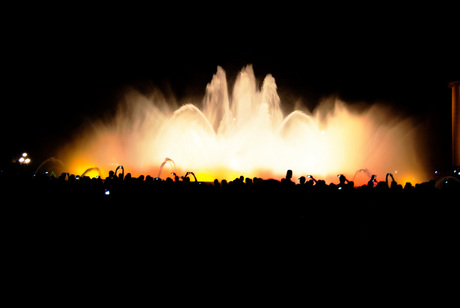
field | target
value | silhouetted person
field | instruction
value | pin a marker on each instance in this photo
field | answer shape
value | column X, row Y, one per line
column 72, row 178
column 63, row 176
column 122, row 174
column 176, row 177
column 288, row 179
column 372, row 182
column 394, row 186
column 408, row 187
column 320, row 185
column 289, row 175
column 342, row 179
column 302, row 180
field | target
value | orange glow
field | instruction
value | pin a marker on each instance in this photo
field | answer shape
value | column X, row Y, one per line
column 248, row 135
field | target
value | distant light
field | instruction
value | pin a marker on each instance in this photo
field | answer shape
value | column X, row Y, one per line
column 24, row 159
column 107, row 192
column 396, row 171
column 455, row 171
column 323, row 132
column 436, row 172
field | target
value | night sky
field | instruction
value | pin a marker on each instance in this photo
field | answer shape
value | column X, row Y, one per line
column 63, row 66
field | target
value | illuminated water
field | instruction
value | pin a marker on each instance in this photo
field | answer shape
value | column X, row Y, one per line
column 245, row 133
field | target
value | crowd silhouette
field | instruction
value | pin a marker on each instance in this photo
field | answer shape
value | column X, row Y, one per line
column 119, row 181
column 178, row 222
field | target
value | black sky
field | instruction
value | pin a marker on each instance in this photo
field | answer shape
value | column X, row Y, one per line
column 61, row 67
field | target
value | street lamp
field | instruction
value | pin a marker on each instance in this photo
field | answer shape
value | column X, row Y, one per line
column 24, row 160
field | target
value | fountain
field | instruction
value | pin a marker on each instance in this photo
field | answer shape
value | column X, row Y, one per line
column 167, row 160
column 90, row 170
column 246, row 133
column 50, row 166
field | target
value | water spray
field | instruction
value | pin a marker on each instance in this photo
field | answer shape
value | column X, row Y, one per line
column 167, row 159
column 334, row 136
column 56, row 163
column 91, row 169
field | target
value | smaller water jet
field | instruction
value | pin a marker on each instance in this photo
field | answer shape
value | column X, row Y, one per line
column 90, row 170
column 171, row 162
column 362, row 177
column 51, row 165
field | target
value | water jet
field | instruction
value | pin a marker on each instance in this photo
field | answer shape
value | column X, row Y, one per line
column 246, row 132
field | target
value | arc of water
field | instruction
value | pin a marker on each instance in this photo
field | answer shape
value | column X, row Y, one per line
column 91, row 169
column 48, row 160
column 167, row 159
column 440, row 183
column 365, row 171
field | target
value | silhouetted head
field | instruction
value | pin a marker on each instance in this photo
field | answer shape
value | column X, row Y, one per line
column 342, row 178
column 302, row 180
column 289, row 175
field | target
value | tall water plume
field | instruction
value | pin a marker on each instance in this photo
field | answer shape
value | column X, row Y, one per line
column 246, row 133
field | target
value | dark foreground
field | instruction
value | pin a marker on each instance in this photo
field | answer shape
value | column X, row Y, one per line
column 179, row 230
